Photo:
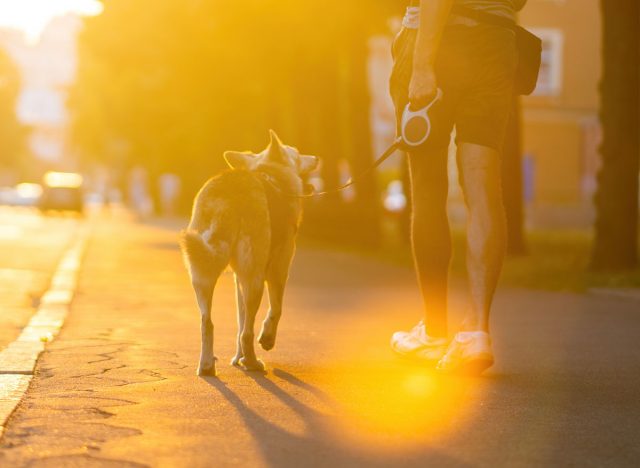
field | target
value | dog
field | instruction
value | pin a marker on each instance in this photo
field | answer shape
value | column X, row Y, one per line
column 247, row 218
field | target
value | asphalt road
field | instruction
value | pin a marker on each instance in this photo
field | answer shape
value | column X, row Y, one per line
column 118, row 386
column 30, row 247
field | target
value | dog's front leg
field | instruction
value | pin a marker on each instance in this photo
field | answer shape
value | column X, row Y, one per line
column 204, row 294
column 241, row 310
column 276, row 281
column 252, row 291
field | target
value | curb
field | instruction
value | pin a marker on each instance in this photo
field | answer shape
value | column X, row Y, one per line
column 632, row 294
column 18, row 360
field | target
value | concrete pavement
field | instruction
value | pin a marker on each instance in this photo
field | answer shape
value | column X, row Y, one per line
column 30, row 247
column 118, row 386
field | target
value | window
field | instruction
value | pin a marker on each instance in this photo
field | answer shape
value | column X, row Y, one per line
column 550, row 80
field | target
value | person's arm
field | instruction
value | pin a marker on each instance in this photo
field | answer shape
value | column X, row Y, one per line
column 434, row 15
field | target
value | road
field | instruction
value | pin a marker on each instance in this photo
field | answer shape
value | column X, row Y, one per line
column 30, row 247
column 118, row 385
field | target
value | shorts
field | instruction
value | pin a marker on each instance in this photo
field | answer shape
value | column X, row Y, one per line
column 475, row 68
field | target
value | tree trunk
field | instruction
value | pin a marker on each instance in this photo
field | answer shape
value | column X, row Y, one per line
column 512, row 190
column 616, row 242
column 358, row 112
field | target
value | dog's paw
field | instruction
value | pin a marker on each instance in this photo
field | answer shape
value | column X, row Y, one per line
column 252, row 365
column 267, row 341
column 207, row 370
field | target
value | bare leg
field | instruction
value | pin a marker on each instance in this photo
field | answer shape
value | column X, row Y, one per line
column 252, row 291
column 486, row 228
column 241, row 310
column 276, row 281
column 430, row 234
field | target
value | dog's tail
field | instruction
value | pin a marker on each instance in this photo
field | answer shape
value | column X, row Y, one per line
column 196, row 253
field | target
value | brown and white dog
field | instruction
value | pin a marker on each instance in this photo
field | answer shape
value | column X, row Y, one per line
column 246, row 218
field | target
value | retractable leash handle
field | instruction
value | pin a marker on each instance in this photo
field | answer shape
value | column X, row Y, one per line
column 415, row 130
column 415, row 127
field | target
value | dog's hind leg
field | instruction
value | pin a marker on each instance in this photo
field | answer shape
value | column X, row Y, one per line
column 204, row 294
column 277, row 276
column 206, row 261
column 252, row 290
column 241, row 309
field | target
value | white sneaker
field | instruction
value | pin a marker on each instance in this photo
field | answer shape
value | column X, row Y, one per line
column 469, row 353
column 416, row 343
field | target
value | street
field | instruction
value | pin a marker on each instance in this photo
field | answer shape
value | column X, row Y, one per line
column 118, row 386
column 30, row 248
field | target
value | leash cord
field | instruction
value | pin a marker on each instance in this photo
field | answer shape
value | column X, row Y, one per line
column 396, row 145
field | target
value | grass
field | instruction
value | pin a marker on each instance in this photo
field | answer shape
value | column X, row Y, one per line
column 556, row 260
column 559, row 261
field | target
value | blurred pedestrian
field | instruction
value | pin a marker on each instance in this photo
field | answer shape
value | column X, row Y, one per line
column 139, row 198
column 169, row 185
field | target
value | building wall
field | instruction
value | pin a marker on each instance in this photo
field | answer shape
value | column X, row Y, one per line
column 561, row 132
column 47, row 68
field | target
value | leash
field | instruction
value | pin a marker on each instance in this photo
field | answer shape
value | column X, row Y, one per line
column 414, row 132
column 396, row 145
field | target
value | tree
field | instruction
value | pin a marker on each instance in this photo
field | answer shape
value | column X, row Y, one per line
column 183, row 80
column 616, row 241
column 12, row 133
column 512, row 187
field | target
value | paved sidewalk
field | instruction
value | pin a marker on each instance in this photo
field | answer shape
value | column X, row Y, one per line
column 118, row 386
column 30, row 247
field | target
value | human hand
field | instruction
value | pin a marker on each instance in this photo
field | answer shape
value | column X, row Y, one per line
column 423, row 87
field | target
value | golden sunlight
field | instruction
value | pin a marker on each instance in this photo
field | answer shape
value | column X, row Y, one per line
column 32, row 16
column 391, row 403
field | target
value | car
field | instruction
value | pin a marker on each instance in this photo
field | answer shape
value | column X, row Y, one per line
column 62, row 191
column 23, row 194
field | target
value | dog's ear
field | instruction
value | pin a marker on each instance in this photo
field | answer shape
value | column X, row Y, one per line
column 308, row 163
column 239, row 160
column 275, row 150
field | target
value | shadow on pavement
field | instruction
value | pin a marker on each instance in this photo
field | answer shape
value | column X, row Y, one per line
column 321, row 444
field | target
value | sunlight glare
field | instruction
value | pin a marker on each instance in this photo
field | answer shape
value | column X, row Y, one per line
column 32, row 16
column 393, row 403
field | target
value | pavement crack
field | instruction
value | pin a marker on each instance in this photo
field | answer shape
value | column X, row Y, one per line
column 101, row 372
column 107, row 356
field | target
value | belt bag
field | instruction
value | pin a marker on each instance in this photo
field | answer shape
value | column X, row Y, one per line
column 529, row 47
column 529, row 61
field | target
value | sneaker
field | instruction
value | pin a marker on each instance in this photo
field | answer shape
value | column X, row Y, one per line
column 416, row 343
column 469, row 353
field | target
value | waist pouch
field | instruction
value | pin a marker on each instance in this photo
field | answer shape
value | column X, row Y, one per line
column 528, row 44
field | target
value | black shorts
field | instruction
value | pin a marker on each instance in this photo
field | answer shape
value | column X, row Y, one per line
column 475, row 69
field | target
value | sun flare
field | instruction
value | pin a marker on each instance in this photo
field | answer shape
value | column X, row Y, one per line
column 32, row 16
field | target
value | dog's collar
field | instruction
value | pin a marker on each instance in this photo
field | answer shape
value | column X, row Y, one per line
column 269, row 180
column 272, row 182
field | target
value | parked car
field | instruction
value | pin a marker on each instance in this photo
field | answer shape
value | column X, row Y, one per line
column 62, row 191
column 24, row 194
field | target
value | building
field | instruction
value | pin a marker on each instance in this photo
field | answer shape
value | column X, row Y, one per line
column 561, row 131
column 48, row 68
column 561, row 126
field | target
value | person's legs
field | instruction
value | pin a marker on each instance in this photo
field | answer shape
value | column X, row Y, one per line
column 430, row 234
column 479, row 168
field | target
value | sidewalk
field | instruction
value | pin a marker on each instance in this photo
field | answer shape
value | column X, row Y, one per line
column 118, row 386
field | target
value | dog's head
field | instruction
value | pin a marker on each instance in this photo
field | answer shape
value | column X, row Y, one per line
column 276, row 154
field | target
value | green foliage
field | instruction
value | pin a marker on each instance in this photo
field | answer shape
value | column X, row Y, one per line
column 12, row 133
column 171, row 85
